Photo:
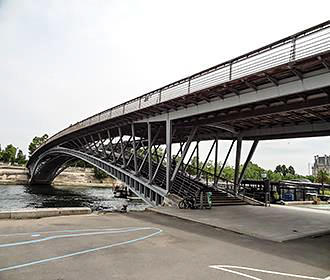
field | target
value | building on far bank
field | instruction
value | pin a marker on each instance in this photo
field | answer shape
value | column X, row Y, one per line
column 321, row 163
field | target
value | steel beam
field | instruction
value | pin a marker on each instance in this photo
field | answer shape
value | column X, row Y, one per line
column 191, row 156
column 158, row 166
column 248, row 159
column 121, row 146
column 102, row 144
column 237, row 163
column 225, row 162
column 134, row 148
column 168, row 152
column 186, row 147
column 206, row 160
column 112, row 152
column 216, row 158
column 149, row 153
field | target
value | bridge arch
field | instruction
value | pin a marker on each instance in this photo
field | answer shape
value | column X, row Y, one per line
column 51, row 163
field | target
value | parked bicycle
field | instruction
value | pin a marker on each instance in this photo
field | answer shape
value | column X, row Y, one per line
column 188, row 202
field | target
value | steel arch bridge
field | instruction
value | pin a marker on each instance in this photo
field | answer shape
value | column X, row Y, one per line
column 281, row 90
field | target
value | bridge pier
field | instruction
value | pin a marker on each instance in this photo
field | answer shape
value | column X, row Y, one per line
column 237, row 163
column 168, row 152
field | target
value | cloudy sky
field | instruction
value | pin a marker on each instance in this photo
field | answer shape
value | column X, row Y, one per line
column 64, row 60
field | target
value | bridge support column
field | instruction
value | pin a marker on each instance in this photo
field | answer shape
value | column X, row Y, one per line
column 184, row 153
column 248, row 159
column 168, row 152
column 134, row 148
column 224, row 163
column 149, row 152
column 237, row 163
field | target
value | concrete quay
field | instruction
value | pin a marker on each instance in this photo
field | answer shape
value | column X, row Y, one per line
column 44, row 212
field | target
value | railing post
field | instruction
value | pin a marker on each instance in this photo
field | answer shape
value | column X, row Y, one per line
column 293, row 49
column 230, row 70
column 189, row 85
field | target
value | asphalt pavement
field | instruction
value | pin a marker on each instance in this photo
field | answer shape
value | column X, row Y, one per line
column 145, row 245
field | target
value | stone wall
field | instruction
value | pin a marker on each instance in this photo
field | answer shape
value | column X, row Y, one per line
column 10, row 175
column 16, row 175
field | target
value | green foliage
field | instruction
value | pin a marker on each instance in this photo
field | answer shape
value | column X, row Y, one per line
column 99, row 174
column 20, row 158
column 285, row 171
column 291, row 170
column 228, row 173
column 9, row 154
column 323, row 177
column 310, row 178
column 36, row 143
column 158, row 155
column 81, row 163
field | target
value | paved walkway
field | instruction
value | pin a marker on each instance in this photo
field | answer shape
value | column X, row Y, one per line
column 146, row 245
column 275, row 223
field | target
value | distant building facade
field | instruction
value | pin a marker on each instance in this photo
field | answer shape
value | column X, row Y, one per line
column 321, row 163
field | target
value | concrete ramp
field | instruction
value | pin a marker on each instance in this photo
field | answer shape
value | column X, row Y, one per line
column 276, row 223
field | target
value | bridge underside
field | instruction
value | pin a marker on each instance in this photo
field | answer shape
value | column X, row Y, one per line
column 287, row 100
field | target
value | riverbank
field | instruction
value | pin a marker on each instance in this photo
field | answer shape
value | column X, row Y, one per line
column 72, row 176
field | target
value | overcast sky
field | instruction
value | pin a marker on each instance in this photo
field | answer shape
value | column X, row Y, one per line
column 64, row 60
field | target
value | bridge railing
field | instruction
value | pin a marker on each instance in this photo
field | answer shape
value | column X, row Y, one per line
column 309, row 42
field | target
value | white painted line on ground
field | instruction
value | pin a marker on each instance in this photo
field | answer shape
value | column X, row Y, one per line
column 58, row 231
column 109, row 231
column 228, row 268
column 68, row 235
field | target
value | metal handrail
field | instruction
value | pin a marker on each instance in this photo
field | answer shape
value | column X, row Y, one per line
column 290, row 49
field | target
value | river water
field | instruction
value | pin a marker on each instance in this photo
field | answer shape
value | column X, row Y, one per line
column 19, row 196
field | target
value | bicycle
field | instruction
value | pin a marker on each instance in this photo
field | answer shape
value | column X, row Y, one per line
column 188, row 202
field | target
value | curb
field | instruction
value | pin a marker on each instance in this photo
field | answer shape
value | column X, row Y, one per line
column 44, row 212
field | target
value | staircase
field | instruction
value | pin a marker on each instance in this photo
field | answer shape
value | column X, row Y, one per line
column 220, row 198
column 184, row 185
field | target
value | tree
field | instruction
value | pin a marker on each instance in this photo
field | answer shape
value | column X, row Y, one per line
column 291, row 170
column 9, row 154
column 253, row 171
column 100, row 174
column 36, row 143
column 282, row 169
column 310, row 178
column 1, row 153
column 20, row 158
column 278, row 169
column 228, row 173
column 323, row 178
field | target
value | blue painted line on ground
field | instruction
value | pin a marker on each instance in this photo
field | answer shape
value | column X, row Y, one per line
column 158, row 231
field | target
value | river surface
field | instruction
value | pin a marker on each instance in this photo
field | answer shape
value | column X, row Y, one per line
column 19, row 196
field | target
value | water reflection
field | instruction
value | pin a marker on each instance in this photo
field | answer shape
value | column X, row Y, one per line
column 18, row 197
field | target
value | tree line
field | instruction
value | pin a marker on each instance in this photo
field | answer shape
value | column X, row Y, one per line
column 14, row 155
column 253, row 172
column 206, row 170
